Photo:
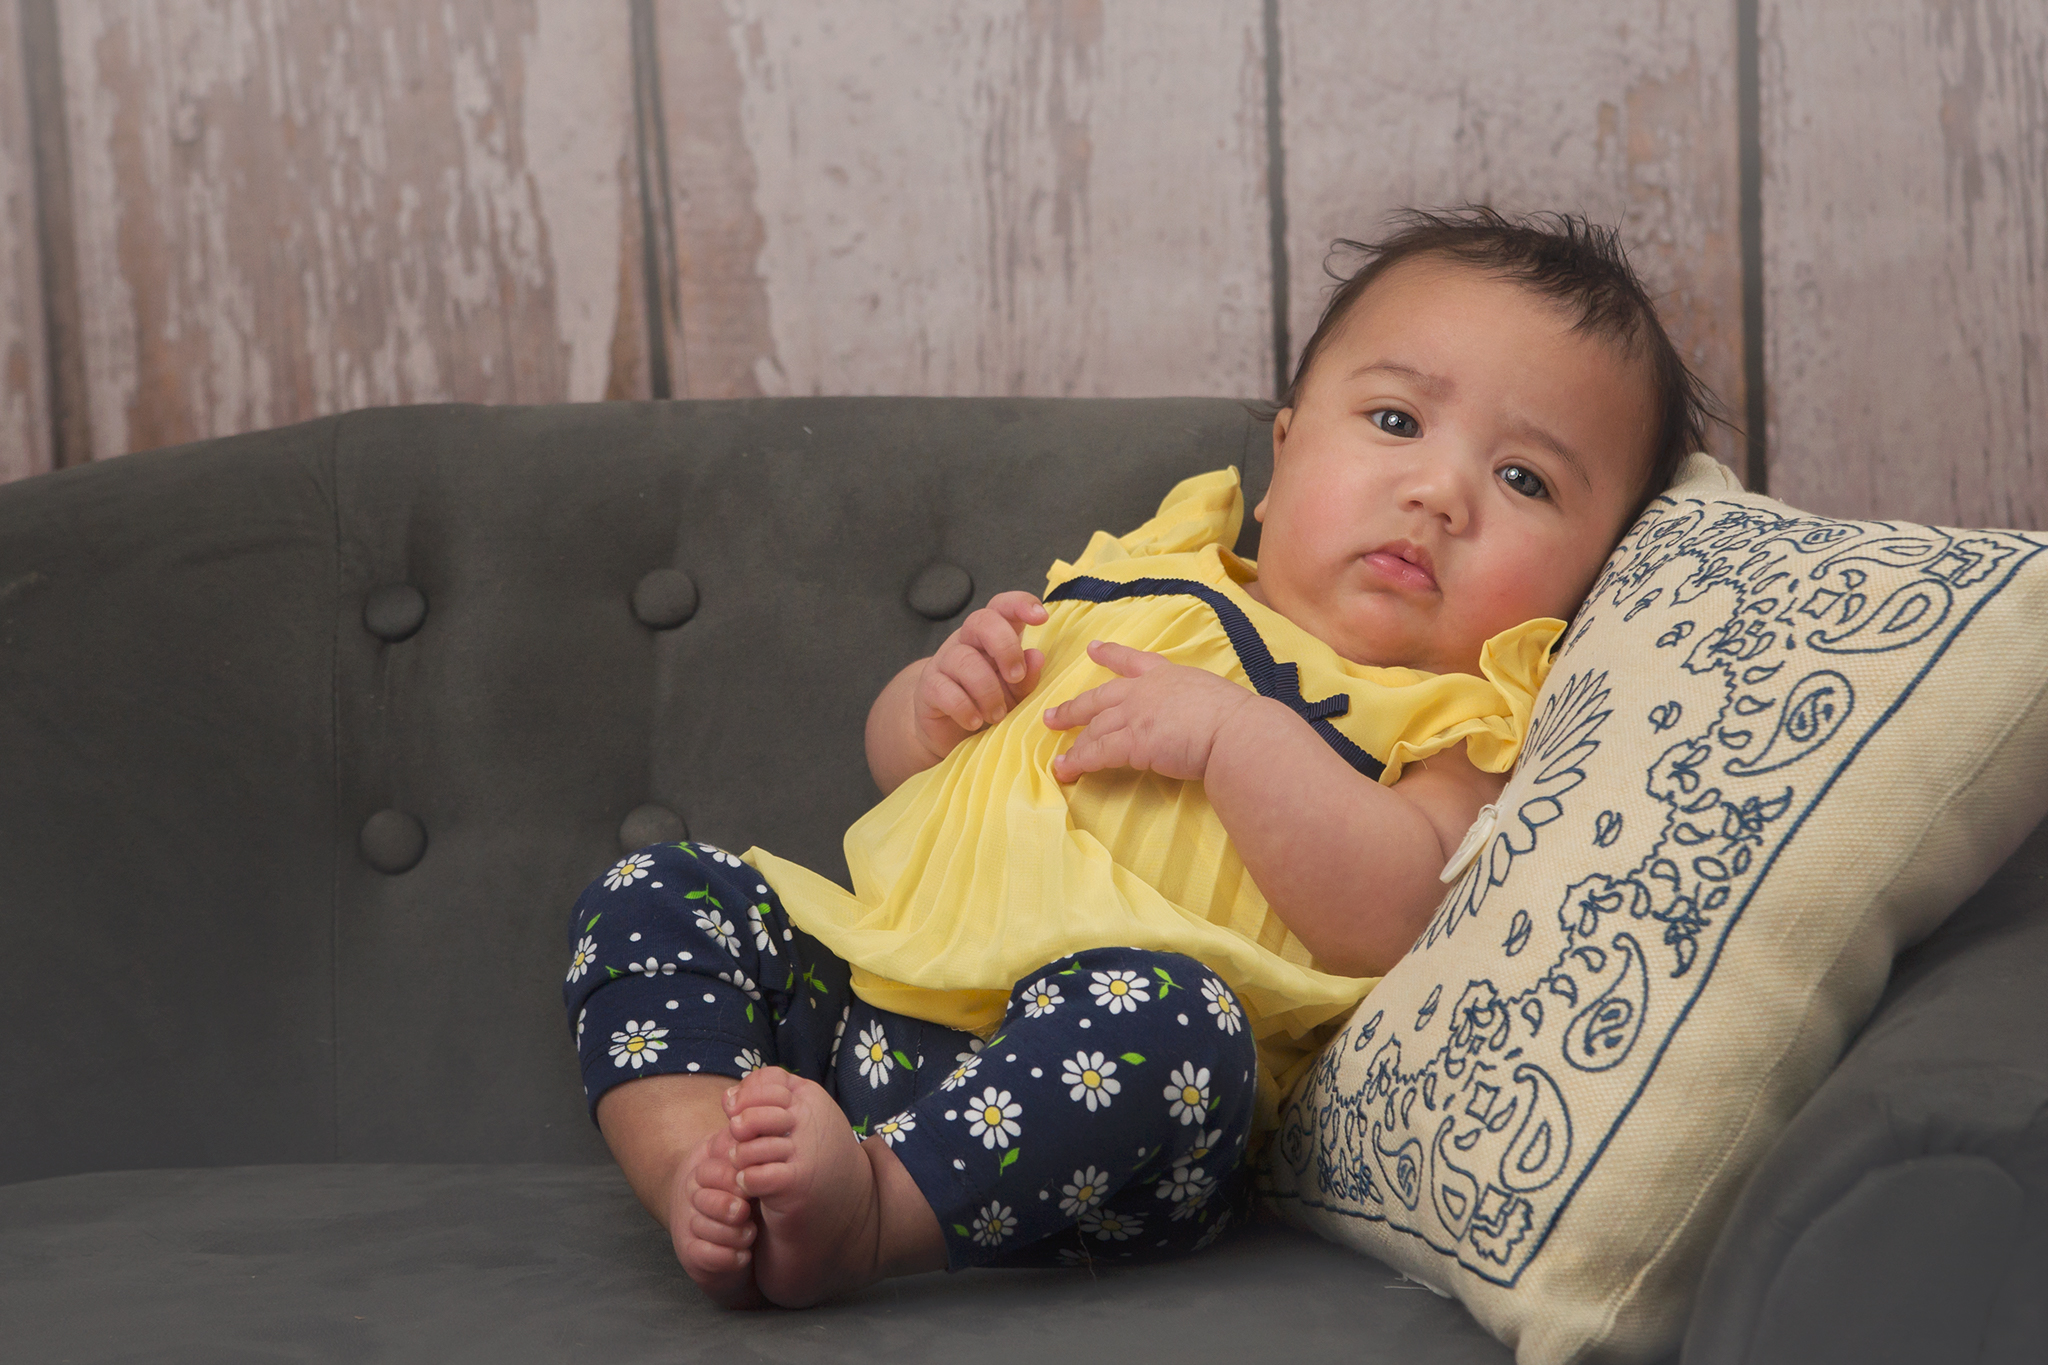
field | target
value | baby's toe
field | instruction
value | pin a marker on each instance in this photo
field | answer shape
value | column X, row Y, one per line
column 717, row 1231
column 722, row 1206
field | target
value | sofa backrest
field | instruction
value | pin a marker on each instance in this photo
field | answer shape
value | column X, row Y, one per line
column 221, row 706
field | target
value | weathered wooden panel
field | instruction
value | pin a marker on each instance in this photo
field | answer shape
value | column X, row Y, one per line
column 1624, row 110
column 1905, row 195
column 287, row 208
column 24, row 377
column 1018, row 197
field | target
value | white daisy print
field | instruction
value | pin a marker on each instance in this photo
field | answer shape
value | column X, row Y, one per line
column 839, row 1032
column 720, row 928
column 1071, row 1256
column 891, row 1131
column 1215, row 1231
column 718, row 855
column 586, row 953
column 652, row 967
column 627, row 871
column 1118, row 991
column 969, row 1064
column 637, row 1044
column 1188, row 1186
column 1189, row 1091
column 581, row 1015
column 1084, row 1192
column 1112, row 1226
column 992, row 1118
column 736, row 977
column 1204, row 1144
column 1042, row 998
column 748, row 1061
column 875, row 1061
column 1223, row 1005
column 1089, row 1075
column 763, row 940
column 993, row 1223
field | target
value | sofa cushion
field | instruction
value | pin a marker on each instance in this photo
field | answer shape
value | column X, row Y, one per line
column 1775, row 750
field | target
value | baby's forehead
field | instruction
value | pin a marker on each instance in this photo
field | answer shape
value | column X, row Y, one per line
column 1432, row 273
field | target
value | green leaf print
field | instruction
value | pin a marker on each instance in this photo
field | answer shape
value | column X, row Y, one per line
column 962, row 1231
column 614, row 971
column 1008, row 1158
column 750, row 1012
column 1170, row 983
column 593, row 921
column 810, row 975
column 902, row 1060
column 1134, row 1058
column 701, row 893
column 861, row 1129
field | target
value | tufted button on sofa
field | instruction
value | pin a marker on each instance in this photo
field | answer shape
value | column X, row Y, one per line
column 309, row 738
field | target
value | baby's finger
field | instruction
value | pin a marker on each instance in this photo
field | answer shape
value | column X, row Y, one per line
column 1019, row 606
column 1094, row 751
column 972, row 672
column 1079, row 710
column 946, row 697
column 1132, row 663
column 996, row 637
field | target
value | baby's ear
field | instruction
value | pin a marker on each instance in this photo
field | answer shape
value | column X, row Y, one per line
column 1281, row 421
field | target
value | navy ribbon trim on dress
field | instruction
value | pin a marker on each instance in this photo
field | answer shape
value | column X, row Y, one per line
column 1269, row 676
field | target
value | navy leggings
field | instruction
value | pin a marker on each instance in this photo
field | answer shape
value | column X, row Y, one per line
column 1107, row 1119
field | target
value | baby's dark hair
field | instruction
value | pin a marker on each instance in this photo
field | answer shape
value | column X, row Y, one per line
column 1563, row 257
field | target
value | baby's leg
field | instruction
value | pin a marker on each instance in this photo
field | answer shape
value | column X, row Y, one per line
column 1108, row 1118
column 836, row 1213
column 685, row 975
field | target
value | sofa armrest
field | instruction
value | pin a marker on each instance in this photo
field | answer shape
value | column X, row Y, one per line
column 1900, row 1217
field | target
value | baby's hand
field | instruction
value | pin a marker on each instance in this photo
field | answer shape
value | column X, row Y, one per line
column 1158, row 717
column 979, row 673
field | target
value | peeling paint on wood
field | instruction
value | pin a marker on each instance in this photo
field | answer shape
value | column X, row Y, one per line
column 1905, row 155
column 720, row 333
column 1620, row 109
column 290, row 209
column 1029, row 197
column 24, row 374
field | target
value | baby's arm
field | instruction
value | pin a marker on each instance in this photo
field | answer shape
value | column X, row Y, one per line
column 978, row 674
column 1349, row 865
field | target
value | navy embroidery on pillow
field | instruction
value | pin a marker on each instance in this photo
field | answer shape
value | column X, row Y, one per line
column 1473, row 1128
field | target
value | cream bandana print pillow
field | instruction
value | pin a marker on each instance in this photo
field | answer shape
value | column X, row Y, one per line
column 1774, row 750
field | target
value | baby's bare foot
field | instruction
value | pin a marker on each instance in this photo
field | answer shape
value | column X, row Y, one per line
column 833, row 1214
column 713, row 1225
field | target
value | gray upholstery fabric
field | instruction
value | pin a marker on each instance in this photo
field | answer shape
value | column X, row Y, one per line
column 504, row 1265
column 310, row 738
column 1912, row 1184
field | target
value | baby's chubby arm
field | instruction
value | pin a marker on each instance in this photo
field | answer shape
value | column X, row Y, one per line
column 1349, row 865
column 977, row 675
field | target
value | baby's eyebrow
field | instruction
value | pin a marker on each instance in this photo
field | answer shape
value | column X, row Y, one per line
column 1435, row 385
column 1529, row 431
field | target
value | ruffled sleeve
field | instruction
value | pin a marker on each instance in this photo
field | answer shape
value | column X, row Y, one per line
column 1205, row 510
column 1515, row 663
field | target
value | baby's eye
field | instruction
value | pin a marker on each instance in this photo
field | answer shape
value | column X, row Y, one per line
column 1524, row 481
column 1394, row 422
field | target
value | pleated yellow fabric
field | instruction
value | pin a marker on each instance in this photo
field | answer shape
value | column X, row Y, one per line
column 983, row 868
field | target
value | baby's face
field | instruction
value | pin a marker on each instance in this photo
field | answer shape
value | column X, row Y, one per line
column 1458, row 461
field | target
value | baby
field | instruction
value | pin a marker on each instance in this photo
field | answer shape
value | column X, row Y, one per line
column 1092, row 940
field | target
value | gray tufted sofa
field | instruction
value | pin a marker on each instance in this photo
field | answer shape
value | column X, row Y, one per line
column 309, row 738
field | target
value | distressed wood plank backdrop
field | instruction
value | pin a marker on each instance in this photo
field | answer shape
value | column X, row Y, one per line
column 265, row 210
column 24, row 380
column 1905, row 234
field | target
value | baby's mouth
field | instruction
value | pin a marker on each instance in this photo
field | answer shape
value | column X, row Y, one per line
column 1405, row 564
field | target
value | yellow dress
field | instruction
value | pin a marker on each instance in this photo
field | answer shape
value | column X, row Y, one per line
column 983, row 868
